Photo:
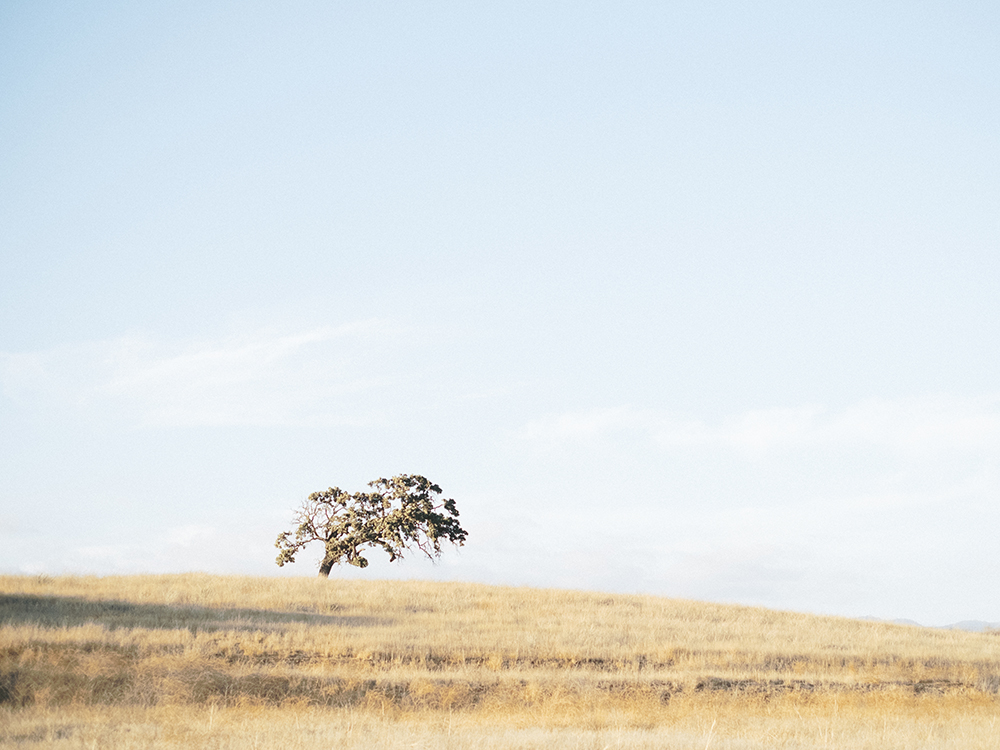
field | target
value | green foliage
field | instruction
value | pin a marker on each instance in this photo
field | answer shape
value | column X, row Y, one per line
column 399, row 514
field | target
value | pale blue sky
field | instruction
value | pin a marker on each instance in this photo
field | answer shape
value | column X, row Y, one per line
column 697, row 299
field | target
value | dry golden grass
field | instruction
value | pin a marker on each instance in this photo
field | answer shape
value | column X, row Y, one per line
column 210, row 661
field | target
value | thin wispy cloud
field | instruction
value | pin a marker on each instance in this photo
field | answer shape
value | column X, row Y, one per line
column 914, row 425
column 265, row 377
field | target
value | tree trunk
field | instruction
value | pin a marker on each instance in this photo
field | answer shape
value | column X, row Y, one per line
column 324, row 568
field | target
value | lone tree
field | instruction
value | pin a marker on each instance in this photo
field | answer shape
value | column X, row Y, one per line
column 399, row 514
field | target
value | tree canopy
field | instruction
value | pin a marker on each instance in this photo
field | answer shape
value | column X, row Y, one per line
column 399, row 514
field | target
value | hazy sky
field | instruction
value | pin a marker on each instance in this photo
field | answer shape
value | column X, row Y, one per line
column 698, row 299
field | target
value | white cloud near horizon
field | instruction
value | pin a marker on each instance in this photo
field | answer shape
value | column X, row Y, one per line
column 838, row 508
column 261, row 378
column 930, row 423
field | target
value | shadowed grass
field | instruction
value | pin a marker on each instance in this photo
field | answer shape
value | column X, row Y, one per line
column 70, row 611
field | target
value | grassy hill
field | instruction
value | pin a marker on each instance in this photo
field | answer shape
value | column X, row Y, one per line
column 227, row 662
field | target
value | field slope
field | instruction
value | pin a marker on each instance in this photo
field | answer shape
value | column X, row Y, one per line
column 227, row 662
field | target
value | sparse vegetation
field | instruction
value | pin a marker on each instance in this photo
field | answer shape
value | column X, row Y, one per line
column 228, row 662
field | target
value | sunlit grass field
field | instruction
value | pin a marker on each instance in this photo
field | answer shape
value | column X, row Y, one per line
column 233, row 662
